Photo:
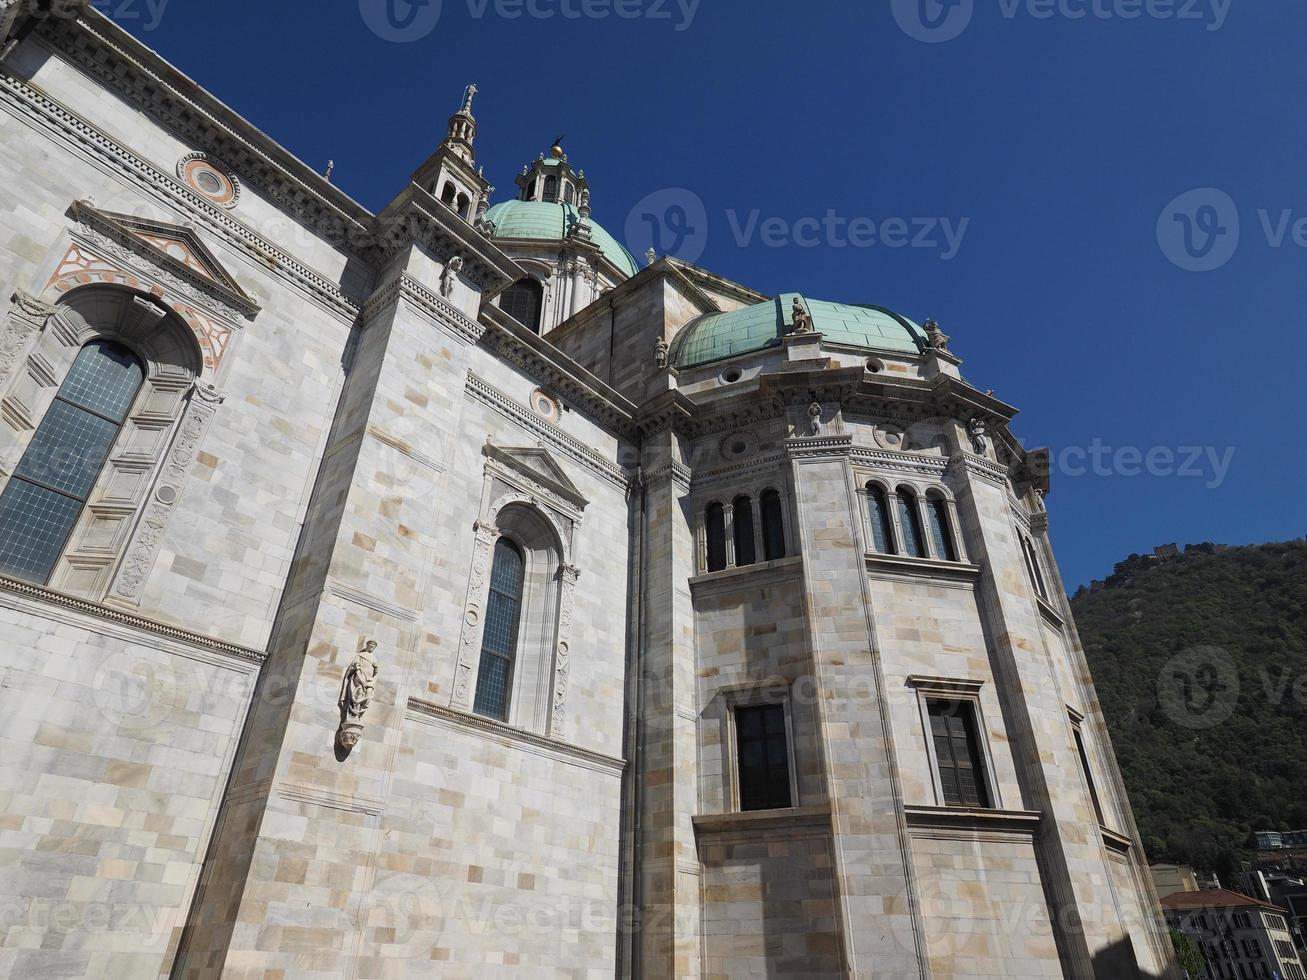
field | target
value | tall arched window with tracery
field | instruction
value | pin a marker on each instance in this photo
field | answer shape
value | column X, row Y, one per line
column 941, row 531
column 53, row 480
column 746, row 552
column 773, row 525
column 882, row 526
column 499, row 639
column 714, row 520
column 914, row 540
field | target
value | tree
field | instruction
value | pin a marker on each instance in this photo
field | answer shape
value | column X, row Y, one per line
column 1186, row 952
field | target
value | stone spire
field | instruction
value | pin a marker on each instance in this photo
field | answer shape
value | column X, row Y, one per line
column 463, row 128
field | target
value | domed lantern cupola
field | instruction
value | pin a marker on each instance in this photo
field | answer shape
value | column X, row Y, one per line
column 451, row 175
column 551, row 179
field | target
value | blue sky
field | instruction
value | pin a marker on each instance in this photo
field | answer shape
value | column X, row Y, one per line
column 1053, row 148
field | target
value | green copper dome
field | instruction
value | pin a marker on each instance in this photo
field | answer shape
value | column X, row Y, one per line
column 552, row 221
column 715, row 336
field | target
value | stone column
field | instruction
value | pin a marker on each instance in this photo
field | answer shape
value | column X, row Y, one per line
column 1072, row 860
column 881, row 931
column 668, row 889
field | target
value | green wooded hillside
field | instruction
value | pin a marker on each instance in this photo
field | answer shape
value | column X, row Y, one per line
column 1200, row 661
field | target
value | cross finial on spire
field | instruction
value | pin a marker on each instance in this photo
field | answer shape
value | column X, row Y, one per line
column 468, row 94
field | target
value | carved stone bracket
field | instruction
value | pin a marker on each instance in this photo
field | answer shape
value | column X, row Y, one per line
column 24, row 321
column 143, row 548
column 568, row 574
column 486, row 535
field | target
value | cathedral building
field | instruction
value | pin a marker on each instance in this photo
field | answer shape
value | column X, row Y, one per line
column 443, row 592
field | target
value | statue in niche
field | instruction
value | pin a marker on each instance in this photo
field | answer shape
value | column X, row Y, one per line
column 814, row 419
column 356, row 690
column 662, row 353
column 801, row 317
column 447, row 278
column 979, row 433
column 938, row 338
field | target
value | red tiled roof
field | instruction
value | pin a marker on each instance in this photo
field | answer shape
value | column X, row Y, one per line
column 1220, row 898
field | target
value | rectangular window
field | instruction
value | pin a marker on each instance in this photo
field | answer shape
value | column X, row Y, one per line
column 762, row 746
column 1089, row 774
column 957, row 752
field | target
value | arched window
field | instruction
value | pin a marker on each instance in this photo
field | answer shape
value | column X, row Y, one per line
column 773, row 525
column 464, row 206
column 745, row 552
column 551, row 188
column 914, row 542
column 448, row 194
column 1032, row 566
column 523, row 301
column 499, row 640
column 53, row 480
column 531, row 191
column 941, row 535
column 715, row 531
column 882, row 528
column 569, row 194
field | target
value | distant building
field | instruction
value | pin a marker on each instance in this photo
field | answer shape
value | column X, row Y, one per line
column 1285, row 891
column 1170, row 878
column 1295, row 838
column 1166, row 551
column 1268, row 840
column 1238, row 937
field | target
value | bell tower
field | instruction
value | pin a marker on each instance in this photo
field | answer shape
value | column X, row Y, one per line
column 451, row 175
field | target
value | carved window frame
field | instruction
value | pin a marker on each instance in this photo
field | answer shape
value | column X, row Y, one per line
column 528, row 482
column 962, row 691
column 108, row 283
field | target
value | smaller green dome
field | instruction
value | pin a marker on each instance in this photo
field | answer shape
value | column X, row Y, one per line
column 552, row 221
column 715, row 336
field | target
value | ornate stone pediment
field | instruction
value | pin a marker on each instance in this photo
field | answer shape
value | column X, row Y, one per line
column 173, row 248
column 536, row 465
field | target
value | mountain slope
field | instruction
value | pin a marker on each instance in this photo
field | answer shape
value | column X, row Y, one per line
column 1200, row 662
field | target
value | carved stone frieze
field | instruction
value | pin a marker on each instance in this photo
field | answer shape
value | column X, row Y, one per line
column 485, row 537
column 143, row 548
column 24, row 321
column 568, row 575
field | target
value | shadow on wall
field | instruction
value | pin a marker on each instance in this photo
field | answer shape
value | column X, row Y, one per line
column 1117, row 962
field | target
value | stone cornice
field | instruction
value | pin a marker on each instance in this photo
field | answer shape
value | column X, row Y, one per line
column 755, row 822
column 948, row 821
column 420, row 710
column 100, row 611
column 921, row 567
column 747, row 577
column 405, row 288
column 486, row 393
column 563, row 377
column 888, row 459
column 124, row 65
column 979, row 466
column 818, row 447
column 415, row 217
column 61, row 122
column 704, row 479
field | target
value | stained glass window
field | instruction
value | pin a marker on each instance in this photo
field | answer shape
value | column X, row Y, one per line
column 51, row 484
column 499, row 641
